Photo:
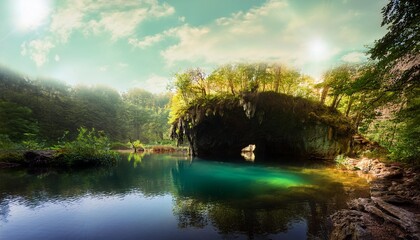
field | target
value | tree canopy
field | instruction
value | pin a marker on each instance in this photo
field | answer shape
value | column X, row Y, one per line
column 44, row 109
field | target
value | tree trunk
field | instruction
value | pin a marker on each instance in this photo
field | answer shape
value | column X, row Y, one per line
column 324, row 94
column 357, row 121
column 334, row 101
column 277, row 79
column 132, row 144
column 351, row 100
column 338, row 101
column 232, row 88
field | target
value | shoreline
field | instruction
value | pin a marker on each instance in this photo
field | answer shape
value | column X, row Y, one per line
column 391, row 212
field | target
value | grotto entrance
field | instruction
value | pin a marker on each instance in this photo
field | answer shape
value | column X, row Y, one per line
column 277, row 123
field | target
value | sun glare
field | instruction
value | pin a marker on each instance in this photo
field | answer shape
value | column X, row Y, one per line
column 31, row 14
column 318, row 49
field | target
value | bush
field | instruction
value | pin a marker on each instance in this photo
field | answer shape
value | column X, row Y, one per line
column 137, row 145
column 90, row 148
column 340, row 159
column 7, row 144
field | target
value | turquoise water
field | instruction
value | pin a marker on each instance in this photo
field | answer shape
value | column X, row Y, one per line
column 170, row 197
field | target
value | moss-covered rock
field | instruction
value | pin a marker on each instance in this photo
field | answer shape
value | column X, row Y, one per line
column 277, row 123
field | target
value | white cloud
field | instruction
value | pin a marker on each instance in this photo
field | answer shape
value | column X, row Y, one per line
column 354, row 57
column 119, row 19
column 57, row 58
column 276, row 32
column 155, row 83
column 118, row 24
column 37, row 50
column 147, row 41
column 160, row 10
column 65, row 21
column 122, row 65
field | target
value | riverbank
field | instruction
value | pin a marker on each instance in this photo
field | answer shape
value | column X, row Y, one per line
column 56, row 159
column 65, row 159
column 393, row 209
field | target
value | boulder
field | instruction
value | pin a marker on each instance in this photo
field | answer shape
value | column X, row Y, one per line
column 39, row 158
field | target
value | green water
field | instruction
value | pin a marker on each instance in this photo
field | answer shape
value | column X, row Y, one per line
column 170, row 197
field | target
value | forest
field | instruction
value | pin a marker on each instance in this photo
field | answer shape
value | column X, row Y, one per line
column 38, row 113
column 384, row 112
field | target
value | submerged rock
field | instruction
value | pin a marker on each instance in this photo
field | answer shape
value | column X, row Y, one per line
column 277, row 124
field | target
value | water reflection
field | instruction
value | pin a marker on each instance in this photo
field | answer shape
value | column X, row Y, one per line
column 254, row 200
column 191, row 199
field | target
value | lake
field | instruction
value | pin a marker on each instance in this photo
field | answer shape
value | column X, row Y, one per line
column 160, row 196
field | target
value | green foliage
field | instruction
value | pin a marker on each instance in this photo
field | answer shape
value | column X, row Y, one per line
column 87, row 142
column 7, row 144
column 89, row 148
column 119, row 146
column 340, row 159
column 137, row 144
column 146, row 115
column 12, row 157
column 32, row 145
column 47, row 108
column 16, row 121
column 234, row 80
column 395, row 78
column 397, row 52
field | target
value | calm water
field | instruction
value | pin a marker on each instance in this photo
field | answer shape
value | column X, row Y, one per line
column 169, row 197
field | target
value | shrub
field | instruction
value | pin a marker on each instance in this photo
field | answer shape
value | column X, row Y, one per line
column 340, row 159
column 90, row 148
column 137, row 145
column 7, row 144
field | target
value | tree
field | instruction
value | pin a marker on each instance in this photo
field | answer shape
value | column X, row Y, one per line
column 397, row 52
column 397, row 74
column 16, row 121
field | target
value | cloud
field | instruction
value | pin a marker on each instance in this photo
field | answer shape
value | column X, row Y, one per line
column 118, row 24
column 147, row 41
column 155, row 83
column 161, row 10
column 65, row 21
column 103, row 68
column 37, row 50
column 122, row 65
column 277, row 31
column 119, row 19
column 354, row 57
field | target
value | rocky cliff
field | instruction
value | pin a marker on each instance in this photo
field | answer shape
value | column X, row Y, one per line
column 277, row 124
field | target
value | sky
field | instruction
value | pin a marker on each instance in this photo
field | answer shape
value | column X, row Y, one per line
column 142, row 43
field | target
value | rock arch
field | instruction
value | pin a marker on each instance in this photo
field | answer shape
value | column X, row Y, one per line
column 277, row 123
